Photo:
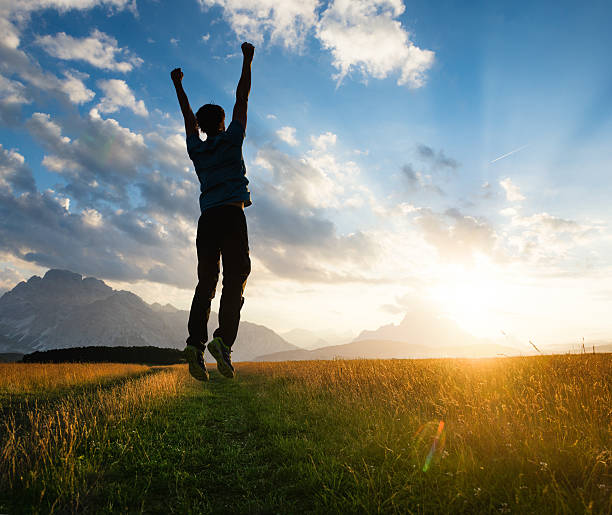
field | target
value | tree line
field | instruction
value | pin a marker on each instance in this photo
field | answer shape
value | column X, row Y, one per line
column 148, row 355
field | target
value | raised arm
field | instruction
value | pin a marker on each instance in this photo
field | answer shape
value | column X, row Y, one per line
column 244, row 86
column 191, row 125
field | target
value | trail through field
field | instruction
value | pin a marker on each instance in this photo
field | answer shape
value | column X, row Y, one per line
column 526, row 435
column 212, row 452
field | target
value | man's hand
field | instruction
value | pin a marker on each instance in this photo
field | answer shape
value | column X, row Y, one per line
column 247, row 51
column 191, row 125
column 176, row 75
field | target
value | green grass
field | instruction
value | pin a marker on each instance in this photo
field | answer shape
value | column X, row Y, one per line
column 528, row 435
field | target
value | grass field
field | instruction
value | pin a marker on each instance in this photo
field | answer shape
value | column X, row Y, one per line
column 508, row 435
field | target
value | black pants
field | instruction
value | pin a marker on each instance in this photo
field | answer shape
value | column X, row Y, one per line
column 222, row 232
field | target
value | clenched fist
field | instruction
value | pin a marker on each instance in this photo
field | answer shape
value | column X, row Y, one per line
column 176, row 75
column 247, row 50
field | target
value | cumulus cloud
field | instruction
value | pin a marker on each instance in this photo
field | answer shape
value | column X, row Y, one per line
column 294, row 236
column 14, row 12
column 456, row 237
column 118, row 94
column 513, row 193
column 14, row 174
column 12, row 97
column 16, row 62
column 12, row 91
column 98, row 49
column 122, row 244
column 170, row 152
column 364, row 36
column 296, row 181
column 110, row 216
column 314, row 179
column 99, row 163
column 287, row 22
column 306, row 246
column 168, row 196
column 123, row 247
column 545, row 237
column 323, row 141
column 76, row 90
column 287, row 134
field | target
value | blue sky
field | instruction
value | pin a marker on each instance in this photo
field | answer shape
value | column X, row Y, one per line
column 374, row 133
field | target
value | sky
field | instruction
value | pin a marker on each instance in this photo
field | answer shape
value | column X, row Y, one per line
column 450, row 155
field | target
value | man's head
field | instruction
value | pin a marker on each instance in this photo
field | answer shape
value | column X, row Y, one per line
column 211, row 119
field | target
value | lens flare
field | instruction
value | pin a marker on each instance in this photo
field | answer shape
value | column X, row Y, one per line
column 438, row 443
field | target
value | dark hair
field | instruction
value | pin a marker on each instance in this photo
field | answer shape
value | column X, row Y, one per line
column 210, row 118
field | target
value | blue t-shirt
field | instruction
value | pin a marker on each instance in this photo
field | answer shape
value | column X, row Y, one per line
column 220, row 167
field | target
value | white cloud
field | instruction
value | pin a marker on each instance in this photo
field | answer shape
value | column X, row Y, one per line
column 286, row 22
column 118, row 94
column 76, row 90
column 169, row 151
column 546, row 238
column 47, row 130
column 102, row 152
column 509, row 211
column 12, row 91
column 19, row 11
column 456, row 237
column 205, row 37
column 14, row 174
column 14, row 15
column 91, row 217
column 323, row 141
column 364, row 36
column 174, row 41
column 314, row 179
column 98, row 49
column 513, row 193
column 287, row 134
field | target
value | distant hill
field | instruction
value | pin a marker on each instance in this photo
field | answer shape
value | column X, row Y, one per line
column 305, row 339
column 388, row 349
column 65, row 310
column 423, row 326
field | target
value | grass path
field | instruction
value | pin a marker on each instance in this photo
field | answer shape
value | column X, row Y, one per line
column 211, row 453
column 520, row 436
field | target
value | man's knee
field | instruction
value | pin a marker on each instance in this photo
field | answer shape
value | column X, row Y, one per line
column 237, row 269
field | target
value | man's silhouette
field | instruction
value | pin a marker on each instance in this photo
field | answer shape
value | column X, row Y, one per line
column 222, row 230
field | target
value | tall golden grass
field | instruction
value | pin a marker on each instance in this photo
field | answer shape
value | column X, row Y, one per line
column 33, row 377
column 543, row 421
column 49, row 442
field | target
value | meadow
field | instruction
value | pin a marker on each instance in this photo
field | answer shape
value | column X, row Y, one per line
column 505, row 435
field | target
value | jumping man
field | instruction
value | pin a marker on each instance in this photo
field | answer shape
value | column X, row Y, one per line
column 222, row 230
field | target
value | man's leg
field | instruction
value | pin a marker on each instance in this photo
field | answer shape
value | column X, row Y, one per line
column 208, row 248
column 236, row 269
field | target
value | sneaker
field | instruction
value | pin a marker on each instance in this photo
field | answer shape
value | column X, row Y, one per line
column 222, row 353
column 197, row 367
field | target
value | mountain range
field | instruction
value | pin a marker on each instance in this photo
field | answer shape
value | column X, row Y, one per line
column 63, row 309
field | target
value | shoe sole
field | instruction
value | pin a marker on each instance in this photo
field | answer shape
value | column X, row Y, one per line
column 222, row 367
column 194, row 369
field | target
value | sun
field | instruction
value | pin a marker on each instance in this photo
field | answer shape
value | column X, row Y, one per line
column 476, row 296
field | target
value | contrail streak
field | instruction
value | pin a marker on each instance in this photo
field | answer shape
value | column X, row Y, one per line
column 509, row 153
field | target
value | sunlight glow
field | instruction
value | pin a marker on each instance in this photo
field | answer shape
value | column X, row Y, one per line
column 473, row 295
